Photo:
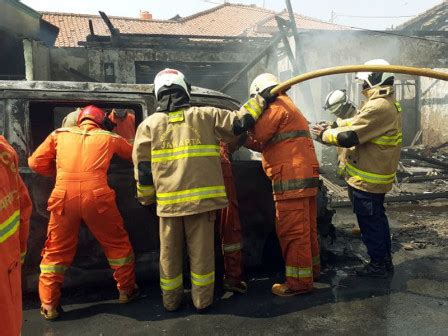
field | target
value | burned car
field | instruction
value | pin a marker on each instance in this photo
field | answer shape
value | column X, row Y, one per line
column 29, row 111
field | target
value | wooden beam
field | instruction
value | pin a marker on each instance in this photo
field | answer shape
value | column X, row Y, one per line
column 252, row 63
column 92, row 31
column 110, row 26
column 282, row 26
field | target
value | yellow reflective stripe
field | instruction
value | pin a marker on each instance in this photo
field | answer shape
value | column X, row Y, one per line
column 174, row 150
column 299, row 272
column 22, row 256
column 9, row 226
column 145, row 191
column 191, row 195
column 331, row 136
column 184, row 152
column 185, row 155
column 202, row 280
column 59, row 269
column 228, row 248
column 121, row 261
column 316, row 260
column 398, row 106
column 389, row 140
column 369, row 177
column 253, row 108
column 171, row 284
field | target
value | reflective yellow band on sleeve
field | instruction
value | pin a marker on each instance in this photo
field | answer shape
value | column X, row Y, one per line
column 121, row 261
column 58, row 269
column 229, row 248
column 9, row 226
column 389, row 140
column 202, row 279
column 177, row 153
column 188, row 195
column 253, row 108
column 369, row 177
column 299, row 272
column 145, row 191
column 398, row 106
column 171, row 284
column 330, row 136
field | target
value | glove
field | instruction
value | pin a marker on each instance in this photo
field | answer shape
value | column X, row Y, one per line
column 324, row 123
column 268, row 96
column 108, row 124
column 317, row 132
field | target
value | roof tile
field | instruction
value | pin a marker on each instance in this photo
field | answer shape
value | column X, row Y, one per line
column 224, row 20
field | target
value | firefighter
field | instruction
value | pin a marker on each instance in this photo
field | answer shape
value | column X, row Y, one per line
column 229, row 228
column 289, row 160
column 80, row 157
column 125, row 123
column 339, row 105
column 373, row 138
column 176, row 159
column 15, row 213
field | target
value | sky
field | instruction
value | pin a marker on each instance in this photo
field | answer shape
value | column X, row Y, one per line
column 396, row 11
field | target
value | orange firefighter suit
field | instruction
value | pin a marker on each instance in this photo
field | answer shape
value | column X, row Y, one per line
column 289, row 160
column 125, row 126
column 15, row 213
column 229, row 223
column 80, row 157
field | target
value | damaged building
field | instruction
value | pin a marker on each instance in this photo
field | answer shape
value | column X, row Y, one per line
column 133, row 50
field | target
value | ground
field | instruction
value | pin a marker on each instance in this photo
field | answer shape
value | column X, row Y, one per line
column 412, row 302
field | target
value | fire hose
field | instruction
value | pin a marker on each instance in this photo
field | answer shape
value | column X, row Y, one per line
column 425, row 72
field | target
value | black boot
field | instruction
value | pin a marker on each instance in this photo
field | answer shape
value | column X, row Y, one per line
column 388, row 263
column 374, row 269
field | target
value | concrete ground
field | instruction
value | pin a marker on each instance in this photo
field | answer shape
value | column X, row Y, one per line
column 412, row 302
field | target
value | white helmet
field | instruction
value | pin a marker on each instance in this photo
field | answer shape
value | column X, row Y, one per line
column 168, row 77
column 374, row 79
column 262, row 82
column 337, row 103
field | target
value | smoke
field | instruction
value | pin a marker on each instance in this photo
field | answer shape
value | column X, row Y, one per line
column 322, row 49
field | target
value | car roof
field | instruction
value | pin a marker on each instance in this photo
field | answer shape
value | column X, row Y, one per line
column 118, row 88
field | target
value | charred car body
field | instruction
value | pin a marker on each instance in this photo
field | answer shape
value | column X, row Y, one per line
column 29, row 111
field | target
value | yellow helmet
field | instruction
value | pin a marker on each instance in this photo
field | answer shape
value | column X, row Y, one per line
column 262, row 82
